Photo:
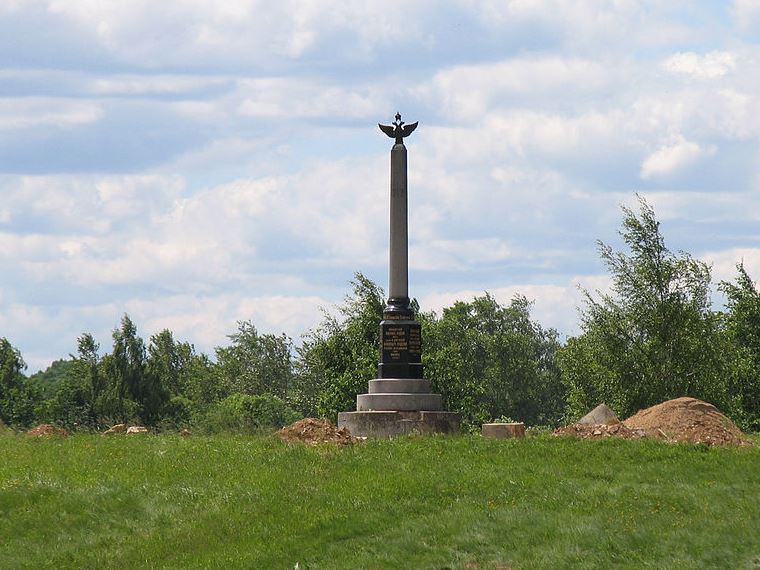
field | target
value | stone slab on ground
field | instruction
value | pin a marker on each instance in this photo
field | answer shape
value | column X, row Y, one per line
column 503, row 430
column 392, row 423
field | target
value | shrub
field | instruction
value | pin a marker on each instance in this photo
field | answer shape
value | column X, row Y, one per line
column 249, row 414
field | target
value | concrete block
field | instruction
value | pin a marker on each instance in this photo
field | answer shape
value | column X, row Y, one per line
column 503, row 430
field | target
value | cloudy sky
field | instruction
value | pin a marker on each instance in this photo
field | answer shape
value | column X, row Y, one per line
column 196, row 162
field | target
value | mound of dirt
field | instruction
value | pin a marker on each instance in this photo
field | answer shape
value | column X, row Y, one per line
column 47, row 430
column 687, row 419
column 314, row 431
column 682, row 420
column 600, row 431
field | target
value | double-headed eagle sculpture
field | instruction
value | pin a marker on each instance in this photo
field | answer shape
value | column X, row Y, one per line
column 398, row 129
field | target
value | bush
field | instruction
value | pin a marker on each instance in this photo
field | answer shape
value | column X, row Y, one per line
column 177, row 412
column 245, row 413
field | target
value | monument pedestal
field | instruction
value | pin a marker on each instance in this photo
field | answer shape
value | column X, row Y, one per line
column 396, row 406
column 379, row 423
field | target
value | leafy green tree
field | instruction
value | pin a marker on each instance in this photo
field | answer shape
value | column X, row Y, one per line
column 255, row 363
column 199, row 381
column 17, row 398
column 488, row 360
column 654, row 336
column 340, row 356
column 132, row 391
column 165, row 361
column 743, row 329
column 184, row 375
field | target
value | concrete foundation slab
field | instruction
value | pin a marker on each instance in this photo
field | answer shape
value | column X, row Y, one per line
column 392, row 423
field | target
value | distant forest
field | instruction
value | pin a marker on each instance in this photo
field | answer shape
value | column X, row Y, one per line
column 653, row 337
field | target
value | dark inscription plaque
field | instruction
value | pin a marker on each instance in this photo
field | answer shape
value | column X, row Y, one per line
column 401, row 351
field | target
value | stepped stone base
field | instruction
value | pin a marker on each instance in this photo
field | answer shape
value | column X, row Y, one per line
column 399, row 402
column 390, row 423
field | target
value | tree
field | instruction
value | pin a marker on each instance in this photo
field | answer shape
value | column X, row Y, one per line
column 255, row 364
column 488, row 360
column 743, row 329
column 132, row 391
column 654, row 336
column 185, row 377
column 17, row 398
column 339, row 357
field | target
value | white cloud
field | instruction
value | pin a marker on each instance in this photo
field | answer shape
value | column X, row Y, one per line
column 450, row 255
column 724, row 262
column 243, row 31
column 290, row 98
column 673, row 158
column 747, row 15
column 90, row 203
column 708, row 66
column 204, row 321
column 469, row 92
column 153, row 84
column 207, row 320
column 712, row 207
column 30, row 112
column 554, row 306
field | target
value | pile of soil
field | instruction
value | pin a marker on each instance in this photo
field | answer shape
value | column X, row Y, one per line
column 47, row 430
column 314, row 431
column 600, row 431
column 687, row 419
column 680, row 420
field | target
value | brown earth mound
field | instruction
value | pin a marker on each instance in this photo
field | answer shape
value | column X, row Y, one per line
column 47, row 430
column 313, row 431
column 687, row 419
column 682, row 420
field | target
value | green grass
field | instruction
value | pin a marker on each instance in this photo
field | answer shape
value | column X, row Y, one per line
column 435, row 502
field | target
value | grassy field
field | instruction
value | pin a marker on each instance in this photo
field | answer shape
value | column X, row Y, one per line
column 463, row 502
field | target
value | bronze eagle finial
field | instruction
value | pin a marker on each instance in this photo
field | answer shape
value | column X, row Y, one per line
column 398, row 129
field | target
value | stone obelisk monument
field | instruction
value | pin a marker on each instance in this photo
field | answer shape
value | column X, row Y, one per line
column 399, row 399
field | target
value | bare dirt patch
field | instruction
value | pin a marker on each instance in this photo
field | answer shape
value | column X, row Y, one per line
column 679, row 420
column 47, row 430
column 313, row 431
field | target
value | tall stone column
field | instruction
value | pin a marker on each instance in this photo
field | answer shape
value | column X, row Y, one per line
column 398, row 266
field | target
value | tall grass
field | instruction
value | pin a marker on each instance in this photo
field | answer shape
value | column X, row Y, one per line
column 433, row 502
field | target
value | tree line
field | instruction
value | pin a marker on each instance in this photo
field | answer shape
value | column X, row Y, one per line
column 653, row 336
